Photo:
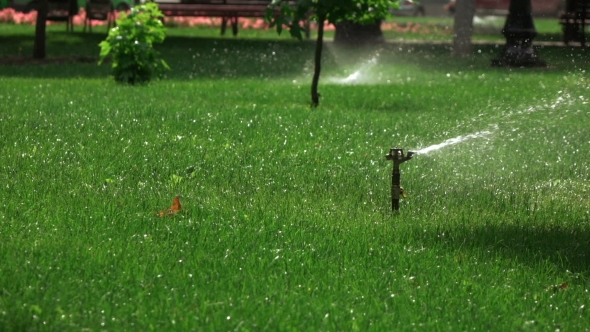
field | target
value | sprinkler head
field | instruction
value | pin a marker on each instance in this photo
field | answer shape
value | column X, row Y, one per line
column 397, row 155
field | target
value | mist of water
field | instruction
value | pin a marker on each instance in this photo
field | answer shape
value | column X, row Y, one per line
column 361, row 75
column 454, row 140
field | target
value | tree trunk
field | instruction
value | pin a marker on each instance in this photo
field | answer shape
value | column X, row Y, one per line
column 315, row 96
column 463, row 28
column 352, row 34
column 39, row 45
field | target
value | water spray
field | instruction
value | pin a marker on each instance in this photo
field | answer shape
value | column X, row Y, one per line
column 397, row 155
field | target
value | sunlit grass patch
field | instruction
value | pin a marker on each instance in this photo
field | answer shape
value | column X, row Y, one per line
column 285, row 221
column 569, row 192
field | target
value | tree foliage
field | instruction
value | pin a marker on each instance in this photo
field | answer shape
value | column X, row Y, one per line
column 292, row 13
column 135, row 60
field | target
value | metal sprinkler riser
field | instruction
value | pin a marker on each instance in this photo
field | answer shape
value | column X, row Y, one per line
column 397, row 155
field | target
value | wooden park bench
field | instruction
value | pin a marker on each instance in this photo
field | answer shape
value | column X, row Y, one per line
column 227, row 10
column 62, row 11
column 100, row 10
column 574, row 21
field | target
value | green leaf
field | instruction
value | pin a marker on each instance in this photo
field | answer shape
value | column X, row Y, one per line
column 165, row 64
column 295, row 30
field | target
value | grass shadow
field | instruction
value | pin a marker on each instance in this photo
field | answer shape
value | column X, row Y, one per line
column 439, row 58
column 196, row 57
column 189, row 57
column 566, row 248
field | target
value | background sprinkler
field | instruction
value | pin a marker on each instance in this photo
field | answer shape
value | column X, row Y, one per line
column 397, row 155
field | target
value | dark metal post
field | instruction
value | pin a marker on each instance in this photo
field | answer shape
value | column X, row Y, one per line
column 519, row 31
column 583, row 15
column 395, row 188
column 397, row 155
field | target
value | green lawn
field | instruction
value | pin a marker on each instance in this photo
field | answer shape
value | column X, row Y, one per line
column 286, row 221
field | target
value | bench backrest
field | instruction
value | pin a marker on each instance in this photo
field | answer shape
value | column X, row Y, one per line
column 218, row 2
column 577, row 5
column 99, row 9
column 99, row 2
column 56, row 7
column 248, row 2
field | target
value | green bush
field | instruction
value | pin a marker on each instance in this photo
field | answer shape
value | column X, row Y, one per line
column 134, row 59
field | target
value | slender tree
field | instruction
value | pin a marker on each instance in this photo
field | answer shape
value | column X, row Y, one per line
column 40, row 35
column 315, row 96
column 322, row 11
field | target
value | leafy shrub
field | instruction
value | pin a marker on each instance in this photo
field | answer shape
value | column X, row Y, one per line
column 134, row 59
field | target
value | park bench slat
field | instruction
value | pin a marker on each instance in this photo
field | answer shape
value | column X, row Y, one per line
column 574, row 21
column 101, row 10
column 213, row 10
column 228, row 10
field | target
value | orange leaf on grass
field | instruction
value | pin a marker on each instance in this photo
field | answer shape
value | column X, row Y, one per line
column 556, row 288
column 174, row 209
